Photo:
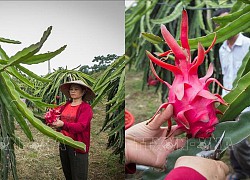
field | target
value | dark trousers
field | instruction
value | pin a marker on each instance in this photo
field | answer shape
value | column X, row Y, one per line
column 240, row 158
column 74, row 164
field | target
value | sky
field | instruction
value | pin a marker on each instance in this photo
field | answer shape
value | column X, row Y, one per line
column 129, row 3
column 88, row 28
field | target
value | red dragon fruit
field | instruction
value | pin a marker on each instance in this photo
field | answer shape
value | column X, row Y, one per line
column 152, row 81
column 193, row 104
column 52, row 115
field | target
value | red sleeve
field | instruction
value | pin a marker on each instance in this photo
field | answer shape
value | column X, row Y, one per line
column 186, row 173
column 83, row 120
column 130, row 168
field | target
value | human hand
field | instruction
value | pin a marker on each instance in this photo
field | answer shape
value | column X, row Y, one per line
column 57, row 124
column 148, row 145
column 209, row 168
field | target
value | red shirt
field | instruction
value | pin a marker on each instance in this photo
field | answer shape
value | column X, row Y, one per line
column 69, row 115
column 186, row 173
column 78, row 127
column 179, row 173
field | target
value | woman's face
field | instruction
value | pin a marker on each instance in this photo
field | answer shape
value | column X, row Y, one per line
column 76, row 91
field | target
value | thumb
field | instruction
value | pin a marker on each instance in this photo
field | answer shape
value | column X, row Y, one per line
column 162, row 117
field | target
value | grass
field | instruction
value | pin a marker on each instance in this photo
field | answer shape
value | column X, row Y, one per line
column 142, row 104
column 40, row 160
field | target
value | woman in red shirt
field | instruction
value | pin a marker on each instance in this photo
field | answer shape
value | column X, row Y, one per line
column 74, row 122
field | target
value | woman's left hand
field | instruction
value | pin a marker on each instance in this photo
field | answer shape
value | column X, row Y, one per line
column 148, row 145
column 57, row 124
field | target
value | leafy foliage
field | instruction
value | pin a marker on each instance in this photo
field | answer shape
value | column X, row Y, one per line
column 201, row 30
column 13, row 109
column 18, row 82
column 50, row 92
column 111, row 85
column 143, row 33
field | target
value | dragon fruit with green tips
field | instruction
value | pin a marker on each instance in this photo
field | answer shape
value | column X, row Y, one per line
column 193, row 104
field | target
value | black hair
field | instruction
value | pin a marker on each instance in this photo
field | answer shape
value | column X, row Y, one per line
column 217, row 13
column 85, row 90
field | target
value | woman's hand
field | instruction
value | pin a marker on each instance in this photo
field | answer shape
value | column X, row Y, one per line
column 148, row 145
column 57, row 124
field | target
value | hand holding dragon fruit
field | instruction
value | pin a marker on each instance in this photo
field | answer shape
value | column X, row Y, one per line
column 194, row 105
column 52, row 115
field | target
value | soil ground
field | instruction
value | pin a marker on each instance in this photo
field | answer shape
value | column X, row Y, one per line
column 142, row 104
column 39, row 159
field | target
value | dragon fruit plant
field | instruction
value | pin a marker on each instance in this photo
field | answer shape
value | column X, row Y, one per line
column 193, row 104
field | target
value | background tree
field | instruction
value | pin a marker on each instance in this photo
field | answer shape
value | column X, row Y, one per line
column 101, row 64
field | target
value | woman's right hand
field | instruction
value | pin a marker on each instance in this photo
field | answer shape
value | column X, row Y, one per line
column 57, row 124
